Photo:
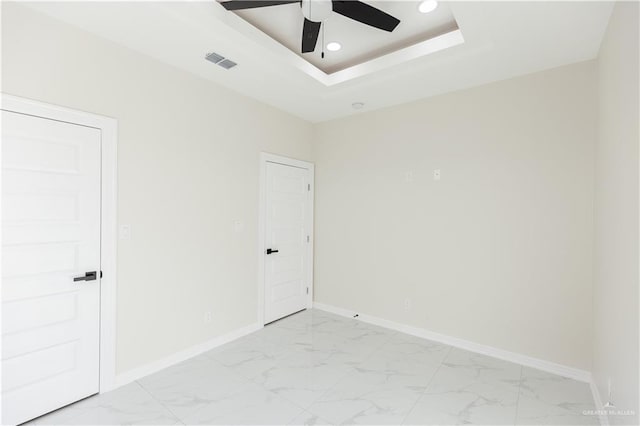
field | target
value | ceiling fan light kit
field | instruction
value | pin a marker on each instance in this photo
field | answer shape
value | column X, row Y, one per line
column 315, row 12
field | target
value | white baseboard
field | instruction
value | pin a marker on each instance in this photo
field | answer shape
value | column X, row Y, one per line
column 551, row 367
column 602, row 412
column 152, row 367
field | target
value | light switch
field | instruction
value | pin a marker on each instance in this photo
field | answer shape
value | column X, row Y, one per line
column 436, row 174
column 125, row 232
column 408, row 176
column 238, row 226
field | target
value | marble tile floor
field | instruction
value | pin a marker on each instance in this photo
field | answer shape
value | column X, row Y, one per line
column 317, row 368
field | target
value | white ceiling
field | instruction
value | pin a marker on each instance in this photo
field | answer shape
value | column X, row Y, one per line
column 501, row 40
column 359, row 42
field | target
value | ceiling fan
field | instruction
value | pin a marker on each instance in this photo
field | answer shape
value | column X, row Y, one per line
column 316, row 11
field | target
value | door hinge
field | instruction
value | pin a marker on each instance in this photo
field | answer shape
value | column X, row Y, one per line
column 100, row 274
column 307, row 290
column 307, row 238
column 308, row 187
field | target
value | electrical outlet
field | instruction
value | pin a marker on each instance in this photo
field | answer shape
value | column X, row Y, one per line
column 238, row 226
column 436, row 174
column 407, row 304
column 208, row 317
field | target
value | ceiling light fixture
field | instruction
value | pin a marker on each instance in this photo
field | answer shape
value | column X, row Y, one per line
column 334, row 46
column 428, row 6
column 357, row 105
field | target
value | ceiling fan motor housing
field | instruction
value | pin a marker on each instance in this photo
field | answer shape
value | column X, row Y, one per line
column 317, row 10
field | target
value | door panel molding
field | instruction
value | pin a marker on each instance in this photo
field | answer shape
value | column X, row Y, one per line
column 108, row 227
column 266, row 158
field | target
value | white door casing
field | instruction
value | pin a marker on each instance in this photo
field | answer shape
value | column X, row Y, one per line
column 58, row 222
column 287, row 223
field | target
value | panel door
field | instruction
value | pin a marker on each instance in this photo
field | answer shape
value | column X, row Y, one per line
column 287, row 210
column 50, row 235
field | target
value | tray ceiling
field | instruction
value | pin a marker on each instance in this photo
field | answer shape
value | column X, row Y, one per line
column 360, row 43
column 502, row 39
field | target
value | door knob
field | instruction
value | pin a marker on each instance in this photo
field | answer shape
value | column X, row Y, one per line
column 88, row 276
column 269, row 251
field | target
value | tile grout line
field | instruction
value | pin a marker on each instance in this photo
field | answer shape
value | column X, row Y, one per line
column 305, row 409
column 158, row 401
column 352, row 373
column 214, row 361
column 515, row 420
column 366, row 345
column 404, row 419
column 374, row 350
column 260, row 385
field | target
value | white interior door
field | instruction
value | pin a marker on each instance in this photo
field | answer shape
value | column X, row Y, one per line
column 50, row 235
column 287, row 230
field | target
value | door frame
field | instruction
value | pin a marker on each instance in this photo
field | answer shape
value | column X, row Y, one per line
column 108, row 242
column 265, row 158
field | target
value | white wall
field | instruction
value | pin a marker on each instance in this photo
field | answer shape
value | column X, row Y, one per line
column 499, row 251
column 188, row 157
column 615, row 354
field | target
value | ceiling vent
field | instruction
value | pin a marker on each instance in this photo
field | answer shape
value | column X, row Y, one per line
column 220, row 60
column 226, row 64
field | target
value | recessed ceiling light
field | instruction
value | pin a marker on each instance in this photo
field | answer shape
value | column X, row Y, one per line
column 334, row 46
column 428, row 6
column 357, row 105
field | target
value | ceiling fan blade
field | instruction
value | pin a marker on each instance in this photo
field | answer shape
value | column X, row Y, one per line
column 366, row 14
column 310, row 32
column 252, row 4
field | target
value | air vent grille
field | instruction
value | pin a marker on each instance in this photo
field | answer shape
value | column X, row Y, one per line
column 226, row 64
column 218, row 59
column 214, row 57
